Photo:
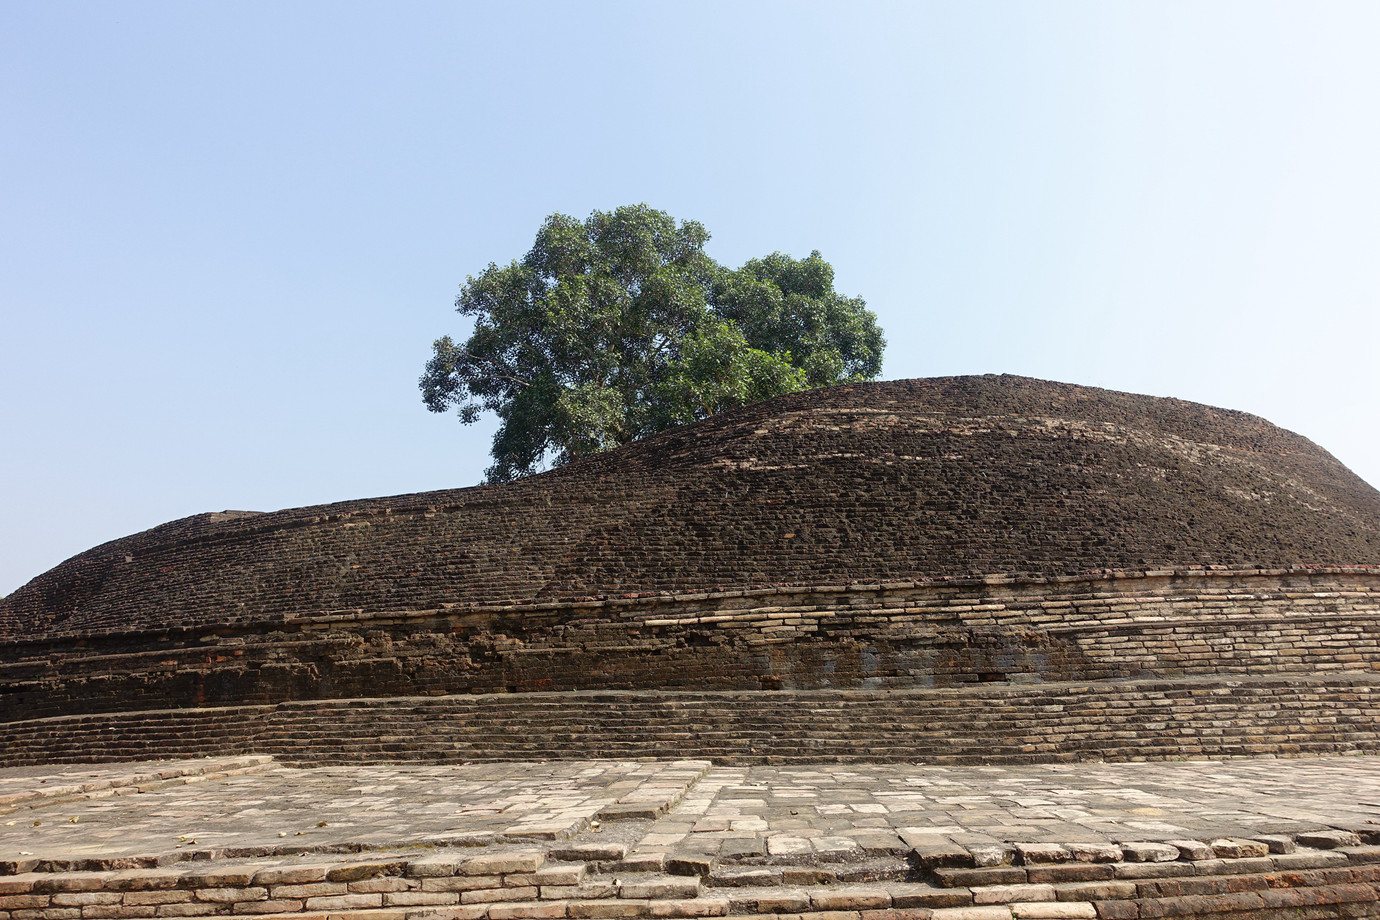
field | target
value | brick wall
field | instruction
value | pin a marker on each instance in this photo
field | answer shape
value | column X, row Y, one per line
column 1127, row 720
column 900, row 636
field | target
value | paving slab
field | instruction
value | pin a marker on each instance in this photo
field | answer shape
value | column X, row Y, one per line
column 331, row 808
column 683, row 809
column 1088, row 804
column 23, row 785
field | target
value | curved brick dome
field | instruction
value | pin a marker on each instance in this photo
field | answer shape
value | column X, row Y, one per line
column 912, row 479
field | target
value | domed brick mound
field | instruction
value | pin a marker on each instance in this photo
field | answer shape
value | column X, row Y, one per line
column 897, row 536
column 875, row 482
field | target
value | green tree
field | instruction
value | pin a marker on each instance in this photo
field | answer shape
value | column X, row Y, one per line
column 618, row 326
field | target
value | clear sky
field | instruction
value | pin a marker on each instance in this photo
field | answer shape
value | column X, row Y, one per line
column 229, row 232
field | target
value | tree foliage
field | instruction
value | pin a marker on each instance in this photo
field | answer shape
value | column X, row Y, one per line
column 619, row 326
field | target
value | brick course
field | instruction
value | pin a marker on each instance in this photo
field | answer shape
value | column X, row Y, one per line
column 1157, row 719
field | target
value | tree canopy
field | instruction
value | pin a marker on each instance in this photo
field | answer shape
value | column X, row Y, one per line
column 619, row 326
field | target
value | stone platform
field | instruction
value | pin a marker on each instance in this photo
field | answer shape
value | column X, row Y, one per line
column 683, row 838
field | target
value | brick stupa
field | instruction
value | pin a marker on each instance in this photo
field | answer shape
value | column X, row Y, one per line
column 926, row 566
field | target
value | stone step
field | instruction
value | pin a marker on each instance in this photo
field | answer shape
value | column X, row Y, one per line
column 793, row 899
column 650, row 886
column 739, row 875
column 463, row 885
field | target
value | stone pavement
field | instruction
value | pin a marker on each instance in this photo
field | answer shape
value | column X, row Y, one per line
column 840, row 811
column 20, row 785
column 333, row 808
column 245, row 807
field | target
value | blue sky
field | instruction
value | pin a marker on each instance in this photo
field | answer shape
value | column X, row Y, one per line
column 229, row 232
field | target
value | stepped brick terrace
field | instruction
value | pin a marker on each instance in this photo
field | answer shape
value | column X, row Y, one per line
column 682, row 839
column 972, row 648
